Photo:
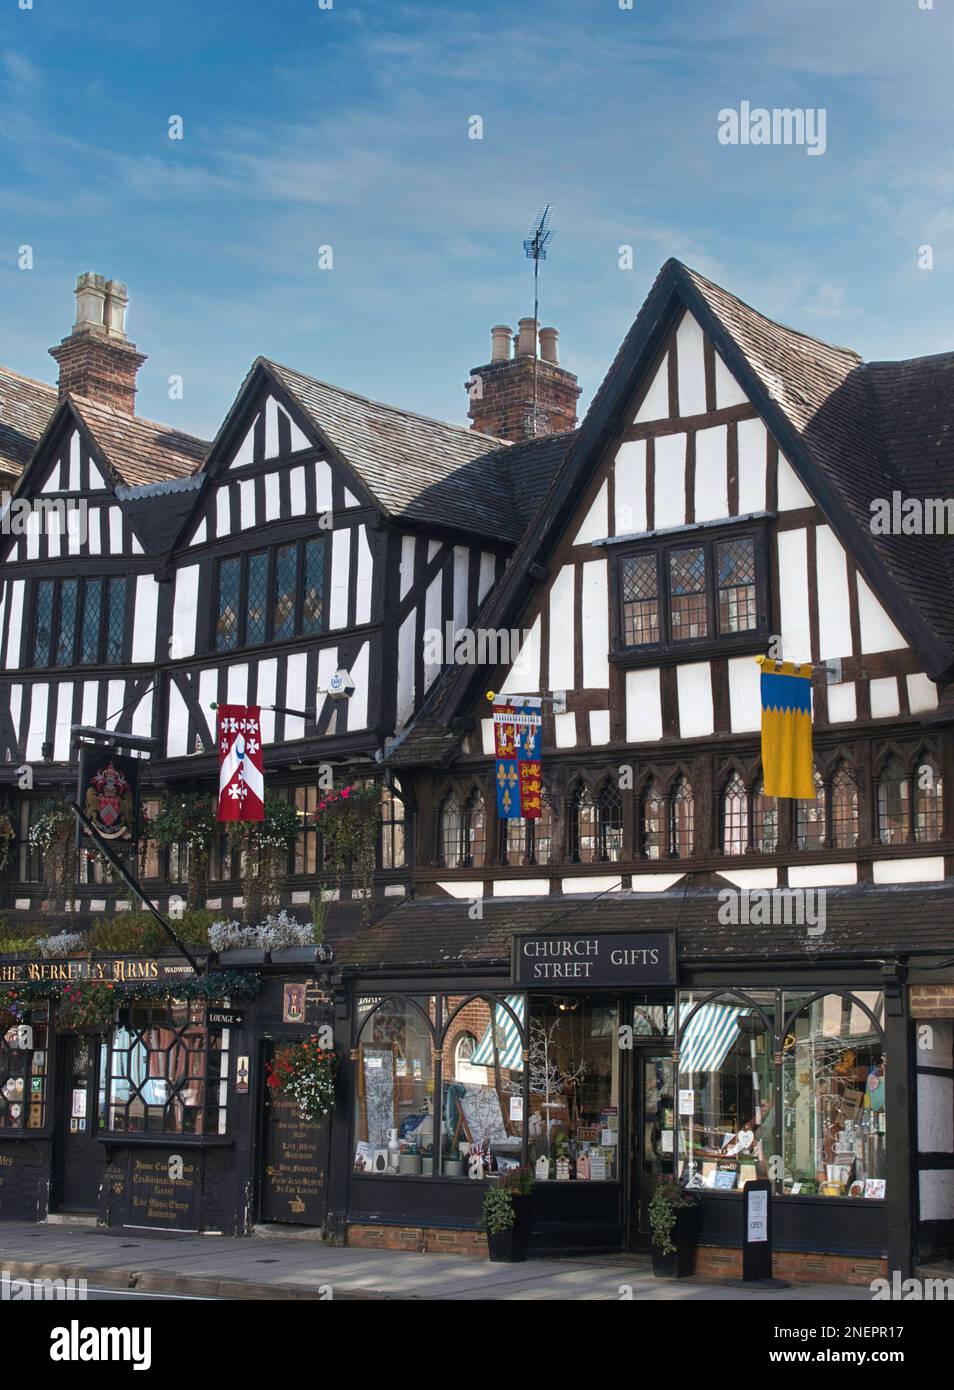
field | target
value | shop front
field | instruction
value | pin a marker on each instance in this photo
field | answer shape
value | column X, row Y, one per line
column 592, row 1062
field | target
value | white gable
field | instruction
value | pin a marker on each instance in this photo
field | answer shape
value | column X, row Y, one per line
column 278, row 425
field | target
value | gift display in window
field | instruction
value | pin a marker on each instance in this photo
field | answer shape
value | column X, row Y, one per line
column 23, row 1079
column 482, row 1128
column 574, row 1090
column 395, row 1079
column 835, row 1131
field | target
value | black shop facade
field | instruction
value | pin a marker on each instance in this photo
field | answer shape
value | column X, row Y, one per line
column 603, row 1049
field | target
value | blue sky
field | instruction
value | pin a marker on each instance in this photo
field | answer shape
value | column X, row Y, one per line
column 306, row 127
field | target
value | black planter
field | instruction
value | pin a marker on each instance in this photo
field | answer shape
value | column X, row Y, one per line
column 510, row 1247
column 685, row 1235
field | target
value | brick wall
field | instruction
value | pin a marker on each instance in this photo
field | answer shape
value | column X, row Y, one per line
column 99, row 369
column 421, row 1239
column 794, row 1266
column 931, row 1001
column 505, row 404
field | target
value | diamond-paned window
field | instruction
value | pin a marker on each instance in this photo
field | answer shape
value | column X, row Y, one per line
column 227, row 616
column 735, row 816
column 687, row 594
column 66, row 638
column 640, row 589
column 313, row 601
column 43, row 629
column 735, row 563
column 115, row 619
column 286, row 574
column 92, row 613
column 256, row 618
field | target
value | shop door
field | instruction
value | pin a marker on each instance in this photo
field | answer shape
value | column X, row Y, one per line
column 79, row 1161
column 654, row 1136
column 294, row 1164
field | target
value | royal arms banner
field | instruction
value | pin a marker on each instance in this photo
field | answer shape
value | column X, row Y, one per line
column 518, row 772
column 241, row 775
column 787, row 762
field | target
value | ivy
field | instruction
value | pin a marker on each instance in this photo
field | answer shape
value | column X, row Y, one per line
column 349, row 821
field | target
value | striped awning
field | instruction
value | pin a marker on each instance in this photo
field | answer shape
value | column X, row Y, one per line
column 709, row 1036
column 509, row 1046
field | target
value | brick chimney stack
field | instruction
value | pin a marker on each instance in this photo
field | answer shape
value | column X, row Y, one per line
column 501, row 392
column 97, row 360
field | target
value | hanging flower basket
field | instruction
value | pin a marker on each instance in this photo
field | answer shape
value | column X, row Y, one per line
column 86, row 1007
column 304, row 1072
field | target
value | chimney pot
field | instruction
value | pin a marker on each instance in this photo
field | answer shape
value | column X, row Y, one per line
column 502, row 337
column 549, row 348
column 527, row 339
column 90, row 301
column 97, row 360
column 117, row 298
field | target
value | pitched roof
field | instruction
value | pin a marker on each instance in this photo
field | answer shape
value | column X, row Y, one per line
column 25, row 409
column 139, row 451
column 424, row 470
column 868, row 920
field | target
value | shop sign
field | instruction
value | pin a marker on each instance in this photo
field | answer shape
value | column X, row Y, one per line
column 583, row 960
column 224, row 1018
column 116, row 970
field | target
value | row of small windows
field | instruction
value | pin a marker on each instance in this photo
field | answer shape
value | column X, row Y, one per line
column 270, row 595
column 78, row 622
column 909, row 808
column 689, row 593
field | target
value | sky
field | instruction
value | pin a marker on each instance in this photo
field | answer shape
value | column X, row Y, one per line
column 307, row 127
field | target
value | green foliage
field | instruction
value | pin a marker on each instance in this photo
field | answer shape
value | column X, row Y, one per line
column 668, row 1198
column 518, row 1181
column 7, row 836
column 499, row 1214
column 319, row 916
column 186, row 818
column 349, row 821
column 140, row 932
column 266, row 845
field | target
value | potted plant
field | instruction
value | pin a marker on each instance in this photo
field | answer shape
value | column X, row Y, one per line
column 674, row 1224
column 507, row 1216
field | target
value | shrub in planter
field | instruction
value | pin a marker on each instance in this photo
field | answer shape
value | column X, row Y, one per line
column 674, row 1224
column 86, row 1006
column 62, row 945
column 507, row 1216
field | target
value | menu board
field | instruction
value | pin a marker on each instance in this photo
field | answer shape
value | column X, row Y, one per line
column 158, row 1200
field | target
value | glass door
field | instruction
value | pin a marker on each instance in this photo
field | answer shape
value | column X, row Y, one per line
column 654, row 1134
column 79, row 1159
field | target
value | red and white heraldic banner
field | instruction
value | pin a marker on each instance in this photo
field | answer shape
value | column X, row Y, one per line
column 241, row 780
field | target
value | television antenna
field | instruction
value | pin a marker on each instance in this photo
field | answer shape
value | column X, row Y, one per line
column 535, row 248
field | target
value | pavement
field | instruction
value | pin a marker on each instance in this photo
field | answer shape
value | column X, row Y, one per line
column 290, row 1266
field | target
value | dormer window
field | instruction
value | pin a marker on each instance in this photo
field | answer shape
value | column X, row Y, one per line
column 692, row 590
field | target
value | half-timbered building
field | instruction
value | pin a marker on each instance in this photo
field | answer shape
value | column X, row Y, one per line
column 667, row 972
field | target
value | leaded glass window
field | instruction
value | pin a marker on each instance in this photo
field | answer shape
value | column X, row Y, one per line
column 227, row 622
column 66, row 641
column 811, row 819
column 92, row 615
column 687, row 590
column 115, row 619
column 286, row 570
column 764, row 821
column 844, row 809
column 313, row 598
column 257, row 607
column 928, row 802
column 653, row 823
column 682, row 819
column 735, row 563
column 43, row 623
column 735, row 816
column 894, row 805
column 640, row 587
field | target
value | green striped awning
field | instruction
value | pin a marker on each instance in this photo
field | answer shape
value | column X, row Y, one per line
column 509, row 1046
column 708, row 1037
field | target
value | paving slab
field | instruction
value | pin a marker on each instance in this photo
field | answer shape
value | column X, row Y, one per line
column 266, row 1267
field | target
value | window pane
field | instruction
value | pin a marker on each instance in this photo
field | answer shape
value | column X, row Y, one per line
column 66, row 641
column 92, row 610
column 735, row 817
column 735, row 561
column 394, row 1114
column 450, row 833
column 286, row 571
column 574, row 1089
column 653, row 823
column 257, row 615
column 475, row 1112
column 640, row 590
column 43, row 635
column 227, row 605
column 687, row 593
column 582, row 826
column 833, row 1072
column 115, row 619
column 307, row 857
column 810, row 819
column 894, row 802
column 313, row 603
column 844, row 810
column 929, row 802
column 474, row 831
column 726, row 1063
column 682, row 817
column 765, row 821
column 610, row 820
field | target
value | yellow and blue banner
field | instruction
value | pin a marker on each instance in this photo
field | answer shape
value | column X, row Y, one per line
column 519, row 771
column 787, row 763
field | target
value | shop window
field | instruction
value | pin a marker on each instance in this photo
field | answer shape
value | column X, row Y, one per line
column 392, row 828
column 652, row 1020
column 928, row 802
column 596, row 825
column 811, row 818
column 166, row 1072
column 24, row 1061
column 894, row 805
column 528, row 841
column 574, row 1062
column 735, row 816
column 834, row 1130
column 394, row 1115
column 726, row 1089
column 479, row 1129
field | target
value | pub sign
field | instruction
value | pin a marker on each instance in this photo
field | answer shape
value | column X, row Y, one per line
column 108, row 794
